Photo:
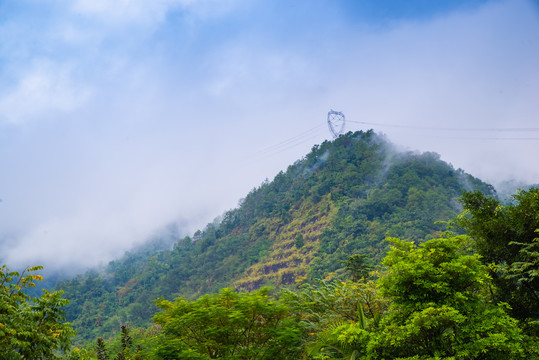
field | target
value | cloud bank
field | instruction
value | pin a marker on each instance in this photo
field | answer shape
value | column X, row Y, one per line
column 118, row 118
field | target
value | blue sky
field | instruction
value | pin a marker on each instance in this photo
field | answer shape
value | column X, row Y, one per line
column 117, row 118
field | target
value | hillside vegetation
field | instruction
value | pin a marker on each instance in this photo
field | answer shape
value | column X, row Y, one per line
column 345, row 197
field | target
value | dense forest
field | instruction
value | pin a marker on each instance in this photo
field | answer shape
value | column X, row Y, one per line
column 356, row 251
column 345, row 197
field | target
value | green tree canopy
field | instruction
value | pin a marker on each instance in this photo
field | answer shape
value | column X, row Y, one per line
column 506, row 237
column 336, row 314
column 30, row 328
column 228, row 325
column 440, row 307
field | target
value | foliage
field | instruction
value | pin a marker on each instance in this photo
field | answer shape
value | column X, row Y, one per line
column 101, row 349
column 346, row 340
column 127, row 349
column 344, row 197
column 330, row 302
column 129, row 344
column 506, row 238
column 357, row 266
column 440, row 306
column 334, row 316
column 30, row 328
column 228, row 325
column 298, row 241
column 431, row 302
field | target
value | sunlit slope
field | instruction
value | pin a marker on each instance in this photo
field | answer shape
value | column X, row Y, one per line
column 344, row 197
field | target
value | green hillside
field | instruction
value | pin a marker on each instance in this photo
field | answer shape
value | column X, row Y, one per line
column 345, row 197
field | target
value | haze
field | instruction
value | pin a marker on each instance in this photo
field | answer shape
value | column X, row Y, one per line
column 119, row 118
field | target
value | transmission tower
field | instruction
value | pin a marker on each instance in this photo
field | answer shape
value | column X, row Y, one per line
column 336, row 123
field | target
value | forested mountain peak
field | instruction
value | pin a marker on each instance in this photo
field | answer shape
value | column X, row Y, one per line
column 345, row 197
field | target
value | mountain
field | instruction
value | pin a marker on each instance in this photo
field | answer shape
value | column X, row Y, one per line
column 345, row 197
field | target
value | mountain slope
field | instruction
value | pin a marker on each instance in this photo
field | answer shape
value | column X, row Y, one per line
column 344, row 197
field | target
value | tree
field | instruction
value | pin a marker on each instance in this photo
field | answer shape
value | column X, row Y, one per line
column 124, row 345
column 440, row 306
column 298, row 241
column 101, row 350
column 347, row 340
column 30, row 328
column 336, row 315
column 228, row 325
column 506, row 238
column 127, row 344
column 357, row 266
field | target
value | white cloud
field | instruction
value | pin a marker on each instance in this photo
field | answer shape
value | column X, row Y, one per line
column 172, row 126
column 467, row 70
column 147, row 11
column 42, row 91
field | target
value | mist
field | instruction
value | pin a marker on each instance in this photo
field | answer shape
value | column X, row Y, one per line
column 119, row 120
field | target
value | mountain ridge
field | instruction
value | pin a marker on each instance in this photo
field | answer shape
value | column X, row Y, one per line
column 344, row 197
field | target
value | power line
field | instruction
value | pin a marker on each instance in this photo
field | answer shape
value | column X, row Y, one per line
column 293, row 141
column 315, row 132
column 303, row 141
column 530, row 129
column 486, row 138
